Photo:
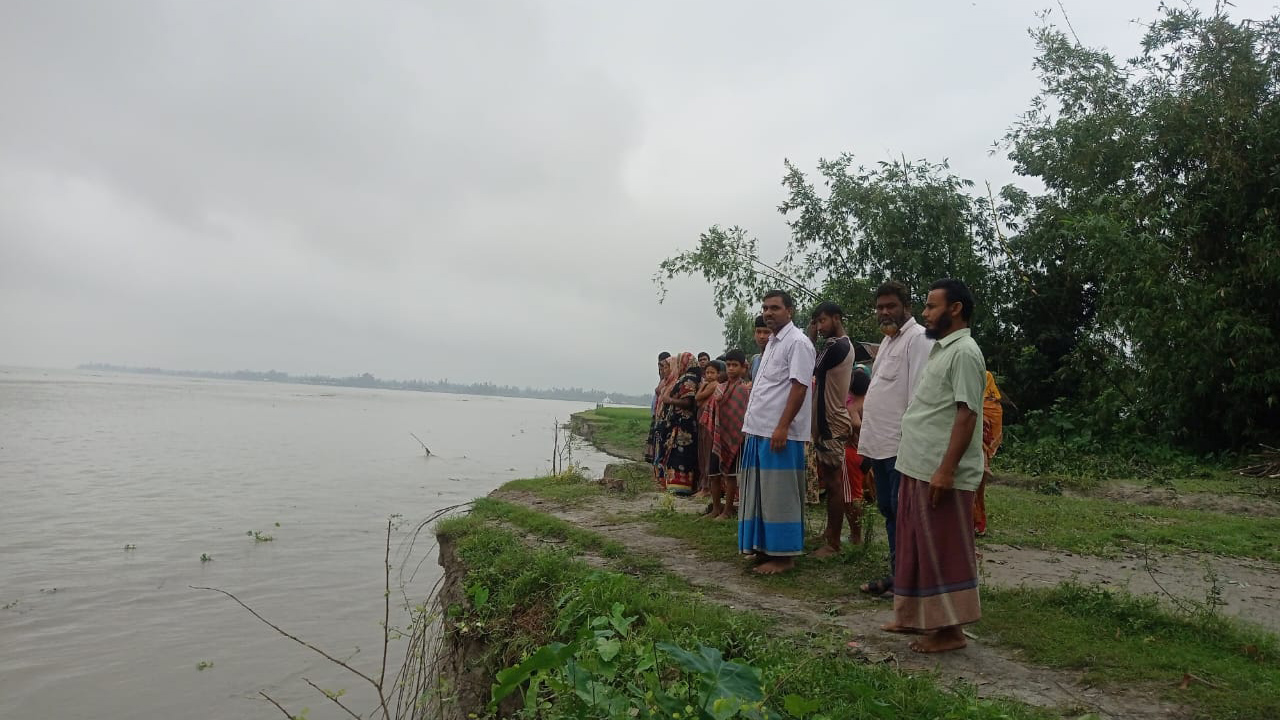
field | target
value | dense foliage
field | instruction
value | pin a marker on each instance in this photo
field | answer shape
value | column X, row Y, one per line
column 1139, row 293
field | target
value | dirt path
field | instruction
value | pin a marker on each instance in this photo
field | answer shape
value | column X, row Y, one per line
column 1250, row 589
column 1228, row 503
column 993, row 672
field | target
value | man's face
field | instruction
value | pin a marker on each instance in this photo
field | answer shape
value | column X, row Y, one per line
column 703, row 359
column 776, row 315
column 938, row 314
column 662, row 368
column 826, row 325
column 734, row 368
column 762, row 337
column 890, row 313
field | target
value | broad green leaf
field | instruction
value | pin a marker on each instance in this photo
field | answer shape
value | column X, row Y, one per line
column 800, row 706
column 545, row 658
column 608, row 648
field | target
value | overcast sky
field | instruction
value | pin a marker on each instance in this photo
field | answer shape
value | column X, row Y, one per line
column 471, row 190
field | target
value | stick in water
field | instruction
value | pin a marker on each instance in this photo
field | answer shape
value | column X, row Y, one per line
column 424, row 445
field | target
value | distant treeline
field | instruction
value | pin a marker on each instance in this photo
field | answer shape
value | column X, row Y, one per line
column 369, row 381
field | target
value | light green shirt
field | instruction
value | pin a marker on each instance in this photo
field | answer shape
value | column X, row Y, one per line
column 956, row 373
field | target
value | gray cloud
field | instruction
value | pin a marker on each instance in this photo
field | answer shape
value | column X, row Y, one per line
column 477, row 190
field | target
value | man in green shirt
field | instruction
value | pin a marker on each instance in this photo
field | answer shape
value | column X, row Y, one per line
column 940, row 457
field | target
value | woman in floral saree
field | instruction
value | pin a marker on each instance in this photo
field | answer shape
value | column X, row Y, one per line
column 679, row 464
column 655, row 408
column 656, row 446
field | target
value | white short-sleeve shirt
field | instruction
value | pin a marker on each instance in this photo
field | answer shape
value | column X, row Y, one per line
column 894, row 375
column 788, row 357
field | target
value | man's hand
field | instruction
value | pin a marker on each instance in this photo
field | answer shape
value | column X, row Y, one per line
column 778, row 441
column 944, row 478
column 940, row 484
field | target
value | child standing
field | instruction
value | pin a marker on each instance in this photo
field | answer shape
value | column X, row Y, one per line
column 727, row 438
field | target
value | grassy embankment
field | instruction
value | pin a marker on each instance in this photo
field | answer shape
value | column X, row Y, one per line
column 620, row 432
column 1110, row 636
column 619, row 622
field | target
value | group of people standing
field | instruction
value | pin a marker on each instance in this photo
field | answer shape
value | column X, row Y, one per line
column 923, row 420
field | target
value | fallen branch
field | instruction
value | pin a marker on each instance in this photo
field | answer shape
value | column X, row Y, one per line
column 332, row 697
column 1149, row 566
column 386, row 618
column 278, row 705
column 1188, row 678
column 424, row 445
column 1266, row 465
column 292, row 637
column 409, row 683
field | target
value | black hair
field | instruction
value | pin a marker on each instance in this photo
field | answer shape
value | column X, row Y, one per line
column 787, row 301
column 859, row 383
column 719, row 366
column 760, row 322
column 957, row 292
column 704, row 354
column 737, row 356
column 827, row 308
column 893, row 287
column 663, row 356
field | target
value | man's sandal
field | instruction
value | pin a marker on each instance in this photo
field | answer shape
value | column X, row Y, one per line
column 880, row 588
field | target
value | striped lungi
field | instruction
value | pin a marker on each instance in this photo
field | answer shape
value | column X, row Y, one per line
column 936, row 582
column 771, row 498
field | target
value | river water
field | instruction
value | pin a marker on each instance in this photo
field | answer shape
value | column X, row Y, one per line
column 177, row 468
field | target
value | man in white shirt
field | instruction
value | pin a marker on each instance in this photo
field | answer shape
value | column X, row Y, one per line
column 898, row 365
column 777, row 425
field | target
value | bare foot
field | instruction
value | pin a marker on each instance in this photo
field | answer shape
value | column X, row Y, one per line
column 826, row 551
column 894, row 627
column 944, row 640
column 774, row 566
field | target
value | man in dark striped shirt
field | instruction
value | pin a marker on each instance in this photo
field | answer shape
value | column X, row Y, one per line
column 832, row 426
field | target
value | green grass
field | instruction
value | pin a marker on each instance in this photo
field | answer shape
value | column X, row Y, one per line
column 828, row 579
column 1203, row 479
column 1114, row 637
column 571, row 488
column 530, row 592
column 1227, row 483
column 1110, row 637
column 1094, row 526
column 618, row 431
column 567, row 488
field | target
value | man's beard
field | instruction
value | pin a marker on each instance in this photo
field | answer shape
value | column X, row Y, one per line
column 940, row 328
column 892, row 326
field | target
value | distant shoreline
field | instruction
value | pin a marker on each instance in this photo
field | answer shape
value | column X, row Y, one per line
column 369, row 381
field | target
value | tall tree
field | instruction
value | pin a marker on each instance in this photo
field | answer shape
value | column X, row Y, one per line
column 1163, row 178
column 910, row 221
column 739, row 330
